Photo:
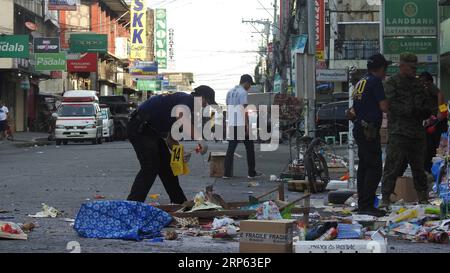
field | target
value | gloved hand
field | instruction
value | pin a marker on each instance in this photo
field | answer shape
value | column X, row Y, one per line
column 202, row 148
column 187, row 157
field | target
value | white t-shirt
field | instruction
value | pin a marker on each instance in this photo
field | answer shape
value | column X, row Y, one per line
column 236, row 99
column 3, row 113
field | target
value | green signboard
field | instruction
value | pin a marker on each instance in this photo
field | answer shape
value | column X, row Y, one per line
column 161, row 38
column 14, row 46
column 426, row 49
column 410, row 17
column 87, row 43
column 51, row 62
column 149, row 85
column 430, row 68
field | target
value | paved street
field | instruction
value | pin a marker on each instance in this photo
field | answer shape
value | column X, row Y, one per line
column 65, row 177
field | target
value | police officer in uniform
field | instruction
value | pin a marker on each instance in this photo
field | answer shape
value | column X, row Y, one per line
column 367, row 114
column 410, row 103
column 149, row 133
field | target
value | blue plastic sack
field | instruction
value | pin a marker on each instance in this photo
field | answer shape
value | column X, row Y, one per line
column 120, row 220
column 435, row 169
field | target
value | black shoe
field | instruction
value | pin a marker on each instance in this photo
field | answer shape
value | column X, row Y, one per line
column 372, row 212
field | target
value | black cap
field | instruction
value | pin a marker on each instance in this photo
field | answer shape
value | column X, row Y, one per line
column 207, row 92
column 377, row 61
column 247, row 79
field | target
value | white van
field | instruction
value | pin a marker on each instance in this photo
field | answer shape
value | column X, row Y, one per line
column 79, row 118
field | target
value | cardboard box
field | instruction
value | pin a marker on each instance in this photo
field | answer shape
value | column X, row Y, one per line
column 217, row 164
column 266, row 236
column 404, row 189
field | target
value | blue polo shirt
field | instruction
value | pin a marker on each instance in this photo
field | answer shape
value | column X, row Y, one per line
column 368, row 94
column 158, row 110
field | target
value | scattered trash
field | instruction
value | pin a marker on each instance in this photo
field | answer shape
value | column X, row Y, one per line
column 171, row 235
column 9, row 230
column 331, row 234
column 407, row 229
column 200, row 203
column 268, row 211
column 253, row 184
column 28, row 227
column 273, row 178
column 98, row 196
column 349, row 231
column 187, row 222
column 47, row 212
column 222, row 222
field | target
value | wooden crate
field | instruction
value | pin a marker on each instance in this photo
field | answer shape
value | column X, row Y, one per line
column 217, row 164
column 336, row 172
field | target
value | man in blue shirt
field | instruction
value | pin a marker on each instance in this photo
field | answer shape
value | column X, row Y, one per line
column 367, row 114
column 148, row 130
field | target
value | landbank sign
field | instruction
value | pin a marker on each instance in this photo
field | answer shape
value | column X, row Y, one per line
column 410, row 17
column 14, row 46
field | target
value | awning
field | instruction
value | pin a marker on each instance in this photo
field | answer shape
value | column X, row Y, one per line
column 119, row 7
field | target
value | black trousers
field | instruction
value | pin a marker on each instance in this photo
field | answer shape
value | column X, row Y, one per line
column 154, row 158
column 370, row 167
column 232, row 145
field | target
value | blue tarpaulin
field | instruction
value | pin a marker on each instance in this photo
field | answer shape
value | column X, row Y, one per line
column 120, row 220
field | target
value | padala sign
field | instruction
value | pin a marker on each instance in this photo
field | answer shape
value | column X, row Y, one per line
column 410, row 17
column 426, row 49
column 51, row 62
column 14, row 46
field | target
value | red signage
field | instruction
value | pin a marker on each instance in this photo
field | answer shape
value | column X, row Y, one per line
column 86, row 63
column 320, row 25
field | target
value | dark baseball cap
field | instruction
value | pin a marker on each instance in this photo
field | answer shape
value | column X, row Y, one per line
column 377, row 61
column 207, row 92
column 247, row 79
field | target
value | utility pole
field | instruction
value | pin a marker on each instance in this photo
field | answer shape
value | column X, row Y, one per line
column 266, row 34
column 275, row 33
column 306, row 65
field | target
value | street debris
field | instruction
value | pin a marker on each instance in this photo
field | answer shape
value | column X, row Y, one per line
column 171, row 235
column 12, row 231
column 268, row 211
column 28, row 227
column 47, row 212
column 99, row 196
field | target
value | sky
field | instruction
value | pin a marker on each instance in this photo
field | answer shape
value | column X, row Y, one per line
column 212, row 42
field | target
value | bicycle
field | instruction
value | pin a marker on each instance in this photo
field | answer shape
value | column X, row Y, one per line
column 310, row 154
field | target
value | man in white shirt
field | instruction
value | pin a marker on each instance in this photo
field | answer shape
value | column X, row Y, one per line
column 3, row 120
column 238, row 128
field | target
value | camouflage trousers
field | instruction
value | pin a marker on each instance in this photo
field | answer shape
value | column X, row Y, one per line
column 401, row 151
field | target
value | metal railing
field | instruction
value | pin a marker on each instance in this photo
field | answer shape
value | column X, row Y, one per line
column 356, row 50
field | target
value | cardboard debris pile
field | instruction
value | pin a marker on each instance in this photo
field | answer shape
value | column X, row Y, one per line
column 418, row 224
column 260, row 223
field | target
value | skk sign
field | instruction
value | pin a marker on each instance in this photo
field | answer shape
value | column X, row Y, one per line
column 138, row 29
column 320, row 29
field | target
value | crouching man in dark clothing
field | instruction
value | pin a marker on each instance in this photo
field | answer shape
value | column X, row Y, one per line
column 149, row 131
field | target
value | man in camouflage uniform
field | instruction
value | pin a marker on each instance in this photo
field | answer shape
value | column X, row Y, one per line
column 410, row 103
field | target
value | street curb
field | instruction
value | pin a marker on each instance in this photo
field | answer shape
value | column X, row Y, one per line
column 32, row 143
